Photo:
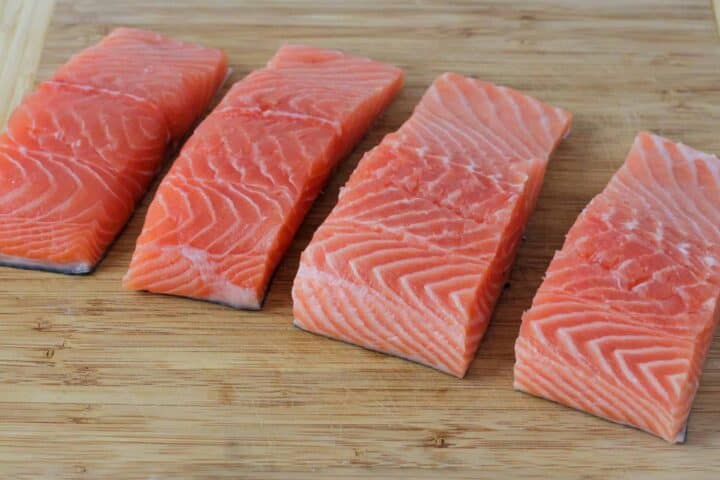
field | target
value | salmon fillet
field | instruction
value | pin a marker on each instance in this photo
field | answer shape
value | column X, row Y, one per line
column 80, row 151
column 413, row 257
column 179, row 78
column 624, row 318
column 230, row 205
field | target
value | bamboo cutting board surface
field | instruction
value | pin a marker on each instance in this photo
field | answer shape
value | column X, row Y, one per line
column 100, row 383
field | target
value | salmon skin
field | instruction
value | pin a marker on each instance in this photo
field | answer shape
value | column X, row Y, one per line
column 80, row 151
column 230, row 205
column 413, row 257
column 621, row 325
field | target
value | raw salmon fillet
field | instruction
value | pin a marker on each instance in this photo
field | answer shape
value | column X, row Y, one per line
column 624, row 318
column 413, row 257
column 179, row 78
column 80, row 151
column 229, row 207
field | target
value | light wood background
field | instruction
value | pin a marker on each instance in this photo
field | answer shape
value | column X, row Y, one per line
column 100, row 383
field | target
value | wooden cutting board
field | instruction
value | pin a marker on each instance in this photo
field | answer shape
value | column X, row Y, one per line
column 97, row 382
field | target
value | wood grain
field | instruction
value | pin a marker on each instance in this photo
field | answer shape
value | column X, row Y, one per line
column 23, row 24
column 102, row 383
